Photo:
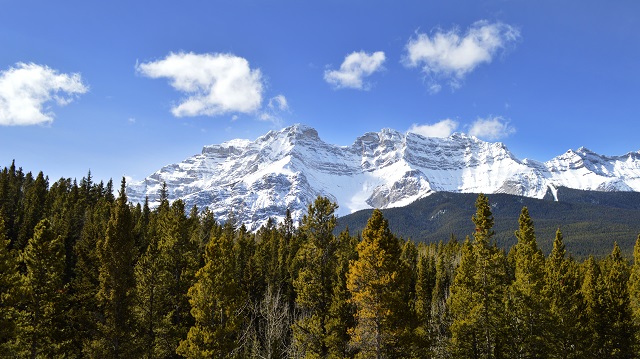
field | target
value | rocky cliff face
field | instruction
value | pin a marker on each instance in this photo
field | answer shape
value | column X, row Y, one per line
column 287, row 169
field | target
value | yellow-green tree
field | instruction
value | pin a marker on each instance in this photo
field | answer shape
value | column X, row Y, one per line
column 525, row 305
column 634, row 291
column 566, row 331
column 216, row 304
column 477, row 292
column 314, row 283
column 41, row 316
column 9, row 283
column 377, row 281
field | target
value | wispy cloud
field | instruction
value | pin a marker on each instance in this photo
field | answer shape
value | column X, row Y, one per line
column 443, row 128
column 278, row 102
column 449, row 56
column 492, row 128
column 27, row 90
column 214, row 83
column 354, row 69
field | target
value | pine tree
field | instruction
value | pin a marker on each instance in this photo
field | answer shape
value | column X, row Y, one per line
column 86, row 284
column 592, row 292
column 34, row 208
column 525, row 304
column 566, row 331
column 618, row 333
column 634, row 291
column 378, row 282
column 116, row 276
column 42, row 290
column 342, row 310
column 216, row 305
column 477, row 292
column 425, row 286
column 314, row 282
column 9, row 285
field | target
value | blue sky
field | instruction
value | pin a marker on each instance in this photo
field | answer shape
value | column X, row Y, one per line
column 125, row 87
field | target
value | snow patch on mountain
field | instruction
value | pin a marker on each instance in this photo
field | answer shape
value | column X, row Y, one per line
column 289, row 168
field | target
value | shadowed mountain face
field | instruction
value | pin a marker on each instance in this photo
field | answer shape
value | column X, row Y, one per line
column 590, row 221
column 289, row 168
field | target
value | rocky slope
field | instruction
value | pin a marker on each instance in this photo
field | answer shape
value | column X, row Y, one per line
column 289, row 168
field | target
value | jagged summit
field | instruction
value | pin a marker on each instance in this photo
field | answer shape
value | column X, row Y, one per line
column 289, row 168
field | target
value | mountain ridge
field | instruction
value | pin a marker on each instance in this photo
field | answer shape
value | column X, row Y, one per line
column 289, row 168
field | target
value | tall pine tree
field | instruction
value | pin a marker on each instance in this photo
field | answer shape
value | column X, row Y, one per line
column 525, row 304
column 42, row 288
column 314, row 283
column 378, row 284
column 115, row 296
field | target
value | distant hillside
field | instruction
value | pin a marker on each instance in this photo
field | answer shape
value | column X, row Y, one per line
column 590, row 221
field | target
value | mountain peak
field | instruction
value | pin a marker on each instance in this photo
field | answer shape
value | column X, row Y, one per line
column 291, row 167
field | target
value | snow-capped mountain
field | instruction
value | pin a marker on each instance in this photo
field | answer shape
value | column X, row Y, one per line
column 288, row 169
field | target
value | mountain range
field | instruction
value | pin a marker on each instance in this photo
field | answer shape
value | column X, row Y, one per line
column 289, row 168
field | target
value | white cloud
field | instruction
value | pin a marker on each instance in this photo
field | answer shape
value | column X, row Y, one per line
column 355, row 67
column 278, row 102
column 492, row 128
column 215, row 83
column 26, row 91
column 443, row 128
column 450, row 57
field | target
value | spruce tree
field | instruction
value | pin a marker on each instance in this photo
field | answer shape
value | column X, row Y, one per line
column 618, row 333
column 566, row 330
column 42, row 290
column 634, row 292
column 342, row 310
column 116, row 276
column 216, row 305
column 314, row 282
column 477, row 292
column 9, row 295
column 378, row 283
column 525, row 304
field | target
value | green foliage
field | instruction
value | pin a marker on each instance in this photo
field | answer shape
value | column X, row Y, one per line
column 478, row 291
column 314, row 282
column 9, row 286
column 216, row 305
column 41, row 315
column 591, row 221
column 116, row 255
column 567, row 335
column 525, row 305
column 378, row 284
column 83, row 274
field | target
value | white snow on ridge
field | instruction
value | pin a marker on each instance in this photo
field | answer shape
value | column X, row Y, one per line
column 290, row 168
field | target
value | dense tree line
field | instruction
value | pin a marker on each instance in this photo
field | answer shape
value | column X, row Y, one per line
column 84, row 273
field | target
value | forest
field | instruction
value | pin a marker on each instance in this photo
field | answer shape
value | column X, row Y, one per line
column 86, row 273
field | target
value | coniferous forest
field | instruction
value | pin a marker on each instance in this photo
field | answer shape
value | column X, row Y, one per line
column 85, row 273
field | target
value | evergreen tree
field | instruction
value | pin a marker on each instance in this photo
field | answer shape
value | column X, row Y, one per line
column 342, row 310
column 116, row 276
column 34, row 208
column 592, row 292
column 425, row 286
column 378, row 282
column 42, row 290
column 216, row 305
column 9, row 285
column 314, row 283
column 566, row 327
column 86, row 284
column 525, row 304
column 618, row 333
column 634, row 291
column 477, row 292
